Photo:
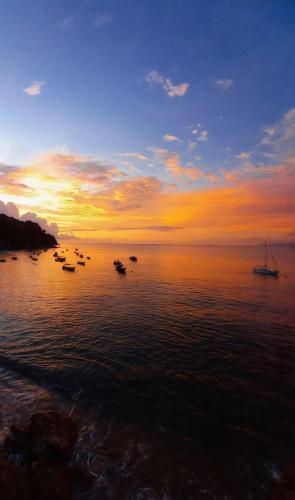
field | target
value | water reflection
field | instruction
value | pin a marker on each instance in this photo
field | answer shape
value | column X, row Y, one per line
column 190, row 356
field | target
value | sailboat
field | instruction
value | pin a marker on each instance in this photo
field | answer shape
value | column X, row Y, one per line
column 265, row 269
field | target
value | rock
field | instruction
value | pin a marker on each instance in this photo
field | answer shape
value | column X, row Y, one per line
column 285, row 489
column 51, row 482
column 43, row 449
column 289, row 477
column 48, row 435
column 281, row 493
column 13, row 482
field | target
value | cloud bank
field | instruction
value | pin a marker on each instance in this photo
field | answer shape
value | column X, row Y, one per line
column 11, row 210
column 166, row 199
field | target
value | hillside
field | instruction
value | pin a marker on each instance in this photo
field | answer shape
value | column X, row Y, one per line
column 16, row 234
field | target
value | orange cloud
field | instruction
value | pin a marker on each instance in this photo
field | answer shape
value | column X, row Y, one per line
column 90, row 198
column 172, row 163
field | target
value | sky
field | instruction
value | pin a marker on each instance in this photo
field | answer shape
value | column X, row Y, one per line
column 149, row 121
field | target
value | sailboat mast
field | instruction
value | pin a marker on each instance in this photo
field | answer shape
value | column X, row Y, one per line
column 265, row 255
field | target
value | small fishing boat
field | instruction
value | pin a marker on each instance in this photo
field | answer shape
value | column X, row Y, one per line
column 60, row 259
column 264, row 269
column 68, row 267
column 35, row 259
column 2, row 260
column 14, row 258
column 121, row 269
column 81, row 263
column 133, row 258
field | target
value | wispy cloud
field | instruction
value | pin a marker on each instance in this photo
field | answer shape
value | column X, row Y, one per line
column 172, row 163
column 244, row 155
column 35, row 88
column 280, row 137
column 67, row 22
column 192, row 145
column 103, row 19
column 136, row 156
column 170, row 88
column 223, row 83
column 203, row 136
column 170, row 138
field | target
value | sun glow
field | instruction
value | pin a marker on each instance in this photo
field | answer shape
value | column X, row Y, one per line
column 93, row 200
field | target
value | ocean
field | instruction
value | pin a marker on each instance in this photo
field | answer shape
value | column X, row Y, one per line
column 181, row 372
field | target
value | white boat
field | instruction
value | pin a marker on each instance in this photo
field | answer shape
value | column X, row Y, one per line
column 264, row 269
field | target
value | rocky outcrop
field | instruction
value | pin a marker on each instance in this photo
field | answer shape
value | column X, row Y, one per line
column 36, row 459
column 285, row 489
column 16, row 234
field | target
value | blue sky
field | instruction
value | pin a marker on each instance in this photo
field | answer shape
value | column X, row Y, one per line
column 187, row 93
column 93, row 58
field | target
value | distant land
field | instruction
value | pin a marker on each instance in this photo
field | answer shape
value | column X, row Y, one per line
column 21, row 235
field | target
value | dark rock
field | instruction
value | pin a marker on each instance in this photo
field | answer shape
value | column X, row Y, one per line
column 285, row 489
column 36, row 461
column 13, row 482
column 47, row 435
column 289, row 477
column 51, row 482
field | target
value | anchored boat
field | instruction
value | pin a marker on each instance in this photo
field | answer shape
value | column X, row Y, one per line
column 264, row 269
column 68, row 267
column 60, row 259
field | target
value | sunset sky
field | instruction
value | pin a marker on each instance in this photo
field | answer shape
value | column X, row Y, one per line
column 149, row 120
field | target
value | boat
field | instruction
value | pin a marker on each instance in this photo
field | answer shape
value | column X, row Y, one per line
column 133, row 258
column 68, row 267
column 35, row 258
column 81, row 255
column 81, row 263
column 14, row 258
column 121, row 269
column 264, row 269
column 2, row 260
column 60, row 259
column 88, row 257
